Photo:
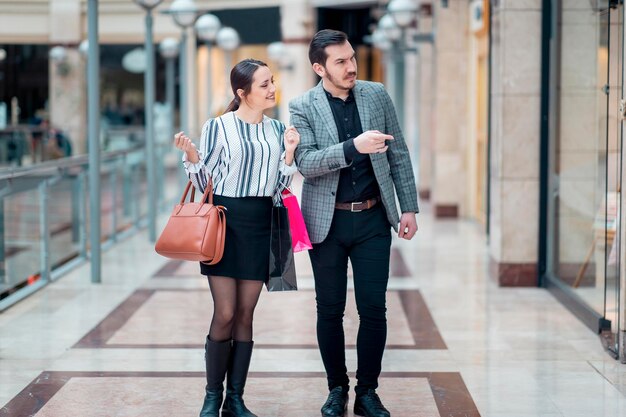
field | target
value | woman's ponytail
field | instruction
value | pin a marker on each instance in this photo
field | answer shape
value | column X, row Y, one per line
column 233, row 106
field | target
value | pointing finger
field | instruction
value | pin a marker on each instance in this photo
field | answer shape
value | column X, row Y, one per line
column 382, row 136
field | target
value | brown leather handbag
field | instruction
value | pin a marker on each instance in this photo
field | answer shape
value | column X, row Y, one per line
column 195, row 231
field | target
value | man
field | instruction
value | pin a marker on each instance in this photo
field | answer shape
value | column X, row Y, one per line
column 351, row 154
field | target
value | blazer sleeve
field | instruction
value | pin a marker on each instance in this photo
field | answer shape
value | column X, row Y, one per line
column 399, row 158
column 311, row 161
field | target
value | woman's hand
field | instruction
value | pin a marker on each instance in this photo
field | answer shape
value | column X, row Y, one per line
column 182, row 142
column 292, row 139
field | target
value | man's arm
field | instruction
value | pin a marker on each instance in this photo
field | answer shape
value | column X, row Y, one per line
column 311, row 161
column 399, row 158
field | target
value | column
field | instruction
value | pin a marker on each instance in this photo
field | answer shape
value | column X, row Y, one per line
column 425, row 110
column 67, row 100
column 192, row 85
column 515, row 104
column 451, row 55
column 68, row 93
column 412, row 70
column 297, row 26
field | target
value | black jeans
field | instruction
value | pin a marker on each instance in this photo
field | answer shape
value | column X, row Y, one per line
column 364, row 238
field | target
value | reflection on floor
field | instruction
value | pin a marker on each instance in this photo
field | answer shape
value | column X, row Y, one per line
column 457, row 344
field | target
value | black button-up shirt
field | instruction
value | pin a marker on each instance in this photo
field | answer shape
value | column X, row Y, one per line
column 356, row 182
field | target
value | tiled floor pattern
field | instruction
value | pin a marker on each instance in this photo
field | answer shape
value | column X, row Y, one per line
column 152, row 319
column 457, row 345
column 282, row 320
column 272, row 394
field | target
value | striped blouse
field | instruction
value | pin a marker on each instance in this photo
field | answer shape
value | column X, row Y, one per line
column 243, row 159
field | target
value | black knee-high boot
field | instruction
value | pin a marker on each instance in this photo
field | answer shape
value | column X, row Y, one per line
column 216, row 355
column 237, row 374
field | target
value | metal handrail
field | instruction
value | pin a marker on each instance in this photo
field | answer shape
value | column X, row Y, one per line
column 45, row 168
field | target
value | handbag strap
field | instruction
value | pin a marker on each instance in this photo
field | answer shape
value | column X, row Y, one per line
column 208, row 192
column 219, row 249
column 207, row 197
column 182, row 199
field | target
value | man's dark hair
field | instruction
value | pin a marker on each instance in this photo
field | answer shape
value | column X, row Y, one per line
column 322, row 39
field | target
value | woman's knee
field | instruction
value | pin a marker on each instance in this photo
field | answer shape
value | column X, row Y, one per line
column 244, row 316
column 224, row 316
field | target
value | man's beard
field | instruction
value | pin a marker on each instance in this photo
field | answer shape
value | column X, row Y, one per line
column 333, row 81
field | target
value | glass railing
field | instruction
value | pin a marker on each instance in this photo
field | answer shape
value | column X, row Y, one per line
column 44, row 213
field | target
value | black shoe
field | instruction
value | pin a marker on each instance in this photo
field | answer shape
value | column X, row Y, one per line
column 336, row 404
column 369, row 405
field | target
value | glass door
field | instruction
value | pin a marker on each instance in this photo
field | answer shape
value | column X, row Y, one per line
column 613, row 172
column 586, row 163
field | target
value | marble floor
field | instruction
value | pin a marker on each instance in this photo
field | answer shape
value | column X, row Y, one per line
column 457, row 345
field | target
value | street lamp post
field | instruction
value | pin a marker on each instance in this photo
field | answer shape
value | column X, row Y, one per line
column 168, row 49
column 83, row 48
column 380, row 41
column 394, row 34
column 401, row 14
column 93, row 132
column 400, row 17
column 184, row 13
column 207, row 27
column 278, row 53
column 228, row 40
column 57, row 54
column 149, row 85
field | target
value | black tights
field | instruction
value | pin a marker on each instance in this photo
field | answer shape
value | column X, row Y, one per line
column 234, row 301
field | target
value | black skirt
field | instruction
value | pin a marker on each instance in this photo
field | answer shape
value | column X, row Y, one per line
column 247, row 242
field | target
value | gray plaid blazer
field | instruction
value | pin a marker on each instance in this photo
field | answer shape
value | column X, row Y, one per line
column 320, row 155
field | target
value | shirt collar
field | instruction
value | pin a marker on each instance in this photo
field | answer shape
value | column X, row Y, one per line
column 348, row 99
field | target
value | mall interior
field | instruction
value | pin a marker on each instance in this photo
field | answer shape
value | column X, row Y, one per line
column 510, row 301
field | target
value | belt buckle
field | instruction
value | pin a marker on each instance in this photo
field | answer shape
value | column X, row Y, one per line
column 352, row 207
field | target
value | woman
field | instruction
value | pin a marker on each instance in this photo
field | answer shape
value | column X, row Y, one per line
column 248, row 156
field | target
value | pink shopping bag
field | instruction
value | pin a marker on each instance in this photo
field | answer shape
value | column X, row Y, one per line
column 299, row 235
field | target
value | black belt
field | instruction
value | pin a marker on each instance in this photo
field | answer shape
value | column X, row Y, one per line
column 358, row 205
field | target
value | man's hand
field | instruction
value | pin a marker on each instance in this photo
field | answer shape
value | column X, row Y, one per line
column 182, row 142
column 408, row 226
column 372, row 141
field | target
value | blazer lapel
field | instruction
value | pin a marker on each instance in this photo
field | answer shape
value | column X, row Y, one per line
column 362, row 105
column 325, row 113
column 365, row 114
